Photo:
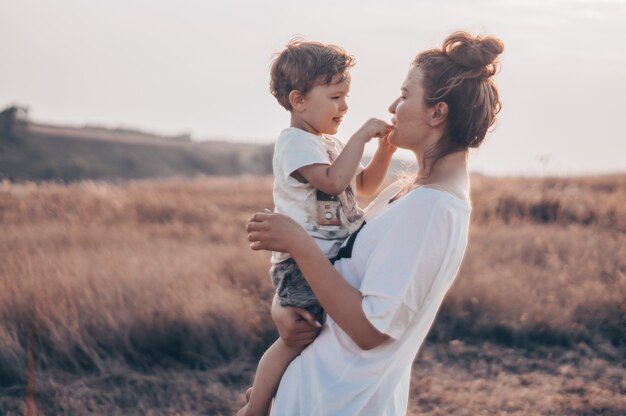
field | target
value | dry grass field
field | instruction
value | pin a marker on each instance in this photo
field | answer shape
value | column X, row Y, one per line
column 144, row 299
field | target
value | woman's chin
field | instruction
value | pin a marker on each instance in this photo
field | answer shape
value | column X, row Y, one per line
column 392, row 139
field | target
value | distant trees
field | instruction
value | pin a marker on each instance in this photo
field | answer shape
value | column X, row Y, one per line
column 9, row 118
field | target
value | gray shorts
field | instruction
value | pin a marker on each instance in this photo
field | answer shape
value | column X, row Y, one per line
column 293, row 290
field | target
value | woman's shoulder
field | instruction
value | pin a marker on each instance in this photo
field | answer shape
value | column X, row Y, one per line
column 426, row 214
column 437, row 196
column 418, row 201
column 424, row 197
column 432, row 206
column 419, row 209
column 423, row 208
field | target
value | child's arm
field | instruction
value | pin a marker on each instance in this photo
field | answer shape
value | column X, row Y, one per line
column 369, row 180
column 334, row 178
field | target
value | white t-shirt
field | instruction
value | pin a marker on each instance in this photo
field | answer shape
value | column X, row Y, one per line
column 403, row 261
column 328, row 219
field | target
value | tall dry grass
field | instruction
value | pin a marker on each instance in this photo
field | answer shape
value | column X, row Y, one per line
column 546, row 263
column 144, row 298
column 132, row 278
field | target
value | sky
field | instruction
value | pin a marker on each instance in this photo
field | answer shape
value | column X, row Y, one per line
column 202, row 67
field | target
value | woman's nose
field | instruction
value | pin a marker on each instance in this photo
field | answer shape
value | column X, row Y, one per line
column 392, row 107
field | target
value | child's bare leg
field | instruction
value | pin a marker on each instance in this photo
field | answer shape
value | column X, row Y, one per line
column 268, row 374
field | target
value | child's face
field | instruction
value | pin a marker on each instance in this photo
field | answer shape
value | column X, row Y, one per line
column 324, row 106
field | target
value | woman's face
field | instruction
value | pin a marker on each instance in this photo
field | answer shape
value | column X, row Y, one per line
column 410, row 114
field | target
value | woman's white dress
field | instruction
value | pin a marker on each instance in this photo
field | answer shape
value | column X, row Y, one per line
column 403, row 261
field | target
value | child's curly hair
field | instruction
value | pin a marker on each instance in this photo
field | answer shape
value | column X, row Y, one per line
column 302, row 65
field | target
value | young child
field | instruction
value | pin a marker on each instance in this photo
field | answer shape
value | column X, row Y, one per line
column 314, row 180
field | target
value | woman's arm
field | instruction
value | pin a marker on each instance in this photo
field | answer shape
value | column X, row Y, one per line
column 343, row 302
column 338, row 297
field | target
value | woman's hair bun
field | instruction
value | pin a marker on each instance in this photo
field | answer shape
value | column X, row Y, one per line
column 474, row 52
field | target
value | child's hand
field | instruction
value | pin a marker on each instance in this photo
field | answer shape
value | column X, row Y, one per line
column 384, row 145
column 374, row 128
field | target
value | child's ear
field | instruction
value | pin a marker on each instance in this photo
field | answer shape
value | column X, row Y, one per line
column 439, row 114
column 296, row 99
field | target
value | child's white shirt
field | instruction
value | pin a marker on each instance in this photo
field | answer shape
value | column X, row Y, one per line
column 329, row 220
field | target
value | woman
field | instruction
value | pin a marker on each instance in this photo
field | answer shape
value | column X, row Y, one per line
column 382, row 295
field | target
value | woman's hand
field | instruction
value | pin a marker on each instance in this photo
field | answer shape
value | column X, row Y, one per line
column 297, row 327
column 275, row 232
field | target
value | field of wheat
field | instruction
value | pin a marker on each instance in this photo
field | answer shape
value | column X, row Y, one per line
column 143, row 299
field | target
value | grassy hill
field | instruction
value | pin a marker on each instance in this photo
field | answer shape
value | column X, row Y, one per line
column 144, row 298
column 39, row 152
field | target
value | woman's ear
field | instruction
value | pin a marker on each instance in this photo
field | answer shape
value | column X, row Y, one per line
column 439, row 114
column 296, row 99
